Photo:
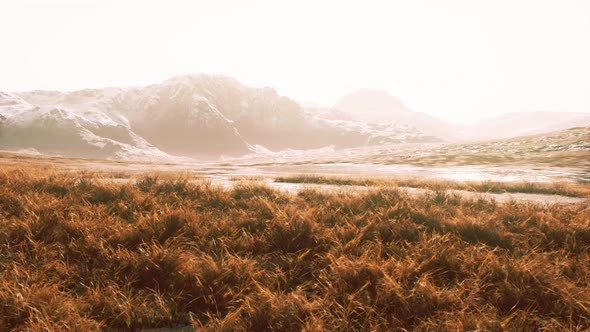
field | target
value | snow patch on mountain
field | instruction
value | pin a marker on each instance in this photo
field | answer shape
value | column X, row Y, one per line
column 56, row 127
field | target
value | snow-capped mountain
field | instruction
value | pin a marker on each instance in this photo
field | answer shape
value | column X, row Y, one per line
column 181, row 116
column 199, row 116
column 53, row 128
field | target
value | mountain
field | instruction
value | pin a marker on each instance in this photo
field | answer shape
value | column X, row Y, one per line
column 378, row 106
column 53, row 129
column 182, row 116
column 372, row 105
column 198, row 116
column 207, row 115
column 371, row 133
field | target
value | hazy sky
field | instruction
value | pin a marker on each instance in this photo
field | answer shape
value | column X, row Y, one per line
column 457, row 60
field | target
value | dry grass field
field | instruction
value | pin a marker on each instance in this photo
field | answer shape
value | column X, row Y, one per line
column 545, row 188
column 81, row 254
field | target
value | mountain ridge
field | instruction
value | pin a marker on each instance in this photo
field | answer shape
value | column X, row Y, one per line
column 204, row 117
column 198, row 116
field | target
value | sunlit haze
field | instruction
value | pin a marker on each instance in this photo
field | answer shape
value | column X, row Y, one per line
column 456, row 60
column 303, row 165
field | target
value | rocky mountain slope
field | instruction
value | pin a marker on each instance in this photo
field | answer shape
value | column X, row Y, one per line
column 55, row 129
column 198, row 116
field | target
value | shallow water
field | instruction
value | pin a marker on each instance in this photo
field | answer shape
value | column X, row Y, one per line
column 499, row 198
column 227, row 180
column 456, row 173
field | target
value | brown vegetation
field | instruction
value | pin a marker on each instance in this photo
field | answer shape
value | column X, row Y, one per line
column 552, row 188
column 81, row 254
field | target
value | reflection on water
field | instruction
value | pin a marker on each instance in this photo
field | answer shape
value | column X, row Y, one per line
column 266, row 174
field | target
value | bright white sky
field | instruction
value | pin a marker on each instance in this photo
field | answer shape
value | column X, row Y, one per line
column 458, row 60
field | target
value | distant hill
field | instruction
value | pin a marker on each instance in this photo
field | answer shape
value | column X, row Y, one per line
column 563, row 148
column 378, row 106
column 524, row 123
column 373, row 106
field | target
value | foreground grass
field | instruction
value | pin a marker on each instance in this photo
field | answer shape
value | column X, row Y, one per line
column 80, row 254
column 556, row 188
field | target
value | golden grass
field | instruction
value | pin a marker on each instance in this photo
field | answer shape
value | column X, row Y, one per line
column 554, row 188
column 81, row 254
column 246, row 178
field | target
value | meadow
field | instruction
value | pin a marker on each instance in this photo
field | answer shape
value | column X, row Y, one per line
column 571, row 189
column 79, row 251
